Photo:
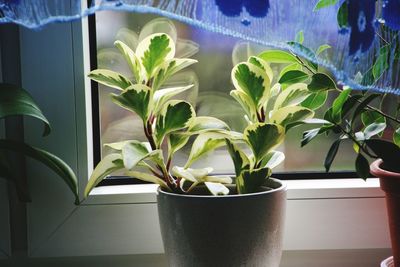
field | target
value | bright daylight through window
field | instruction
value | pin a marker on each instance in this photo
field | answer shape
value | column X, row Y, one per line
column 216, row 55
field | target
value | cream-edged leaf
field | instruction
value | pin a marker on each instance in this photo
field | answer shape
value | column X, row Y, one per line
column 162, row 96
column 154, row 50
column 291, row 114
column 169, row 68
column 135, row 98
column 176, row 141
column 263, row 137
column 291, row 96
column 259, row 62
column 253, row 81
column 203, row 144
column 133, row 152
column 175, row 115
column 217, row 189
column 110, row 78
column 133, row 61
column 245, row 101
column 204, row 123
column 273, row 159
column 239, row 158
column 223, row 179
column 109, row 164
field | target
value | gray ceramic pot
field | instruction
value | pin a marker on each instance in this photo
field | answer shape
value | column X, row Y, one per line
column 233, row 230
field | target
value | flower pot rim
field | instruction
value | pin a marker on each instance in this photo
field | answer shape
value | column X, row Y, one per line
column 282, row 187
column 376, row 170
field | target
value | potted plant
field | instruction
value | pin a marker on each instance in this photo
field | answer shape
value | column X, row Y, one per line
column 207, row 220
column 15, row 101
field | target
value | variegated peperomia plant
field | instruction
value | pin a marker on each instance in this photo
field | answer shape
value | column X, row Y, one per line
column 272, row 107
column 167, row 123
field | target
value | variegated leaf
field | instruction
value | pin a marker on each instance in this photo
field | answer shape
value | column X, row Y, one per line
column 239, row 158
column 133, row 61
column 148, row 178
column 162, row 96
column 291, row 96
column 291, row 114
column 217, row 189
column 110, row 78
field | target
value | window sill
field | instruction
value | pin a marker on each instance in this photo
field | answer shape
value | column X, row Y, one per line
column 297, row 190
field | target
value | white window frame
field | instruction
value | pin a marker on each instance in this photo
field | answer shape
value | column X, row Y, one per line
column 119, row 220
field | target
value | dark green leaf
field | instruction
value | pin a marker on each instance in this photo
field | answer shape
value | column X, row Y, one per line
column 349, row 104
column 387, row 151
column 16, row 101
column 342, row 15
column 331, row 154
column 371, row 116
column 361, row 107
column 293, row 76
column 396, row 137
column 48, row 159
column 362, row 166
column 321, row 82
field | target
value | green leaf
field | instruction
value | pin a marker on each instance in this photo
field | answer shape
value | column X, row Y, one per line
column 381, row 64
column 294, row 66
column 250, row 180
column 217, row 189
column 119, row 145
column 155, row 50
column 300, row 37
column 349, row 104
column 278, row 56
column 239, row 158
column 387, row 151
column 16, row 101
column 306, row 51
column 370, row 116
column 396, row 137
column 203, row 124
column 321, row 82
column 253, row 81
column 148, row 178
column 273, row 159
column 293, row 76
column 324, row 3
column 331, row 154
column 203, row 144
column 315, row 100
column 291, row 114
column 337, row 105
column 263, row 137
column 110, row 163
column 259, row 62
column 169, row 68
column 175, row 115
column 135, row 98
column 162, row 96
column 110, row 78
column 374, row 129
column 322, row 48
column 133, row 61
column 362, row 166
column 342, row 15
column 292, row 96
column 51, row 161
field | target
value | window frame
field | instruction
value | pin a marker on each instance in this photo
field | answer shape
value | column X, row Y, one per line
column 124, row 222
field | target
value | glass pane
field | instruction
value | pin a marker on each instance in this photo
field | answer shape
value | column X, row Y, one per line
column 210, row 97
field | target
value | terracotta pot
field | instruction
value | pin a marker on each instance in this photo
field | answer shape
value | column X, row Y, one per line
column 223, row 231
column 390, row 183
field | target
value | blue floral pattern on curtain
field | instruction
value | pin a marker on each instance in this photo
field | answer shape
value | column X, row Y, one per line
column 367, row 29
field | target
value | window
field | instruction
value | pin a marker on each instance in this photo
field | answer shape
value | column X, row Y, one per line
column 211, row 76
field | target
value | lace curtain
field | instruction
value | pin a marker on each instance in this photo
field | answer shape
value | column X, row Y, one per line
column 363, row 35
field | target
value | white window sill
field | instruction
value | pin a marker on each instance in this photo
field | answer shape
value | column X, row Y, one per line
column 297, row 190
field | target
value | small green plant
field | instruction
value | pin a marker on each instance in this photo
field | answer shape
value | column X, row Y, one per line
column 168, row 123
column 15, row 101
column 272, row 107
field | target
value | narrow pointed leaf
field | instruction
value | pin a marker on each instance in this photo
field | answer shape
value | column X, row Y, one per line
column 51, row 161
column 278, row 56
column 362, row 166
column 331, row 154
column 16, row 101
